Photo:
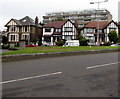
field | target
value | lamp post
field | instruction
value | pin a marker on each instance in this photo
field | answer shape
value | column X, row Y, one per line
column 98, row 25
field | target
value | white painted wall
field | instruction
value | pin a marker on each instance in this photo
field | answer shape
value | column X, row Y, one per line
column 67, row 34
column 48, row 33
column 11, row 23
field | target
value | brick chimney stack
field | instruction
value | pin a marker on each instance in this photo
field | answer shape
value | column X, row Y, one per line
column 36, row 20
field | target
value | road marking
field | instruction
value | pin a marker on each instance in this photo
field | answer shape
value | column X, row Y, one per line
column 91, row 67
column 28, row 78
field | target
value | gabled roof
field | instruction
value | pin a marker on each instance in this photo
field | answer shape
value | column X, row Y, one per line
column 27, row 21
column 94, row 24
column 17, row 21
column 55, row 24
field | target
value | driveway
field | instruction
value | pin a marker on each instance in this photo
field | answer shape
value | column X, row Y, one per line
column 4, row 50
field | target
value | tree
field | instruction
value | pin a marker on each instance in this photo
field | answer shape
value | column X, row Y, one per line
column 119, row 38
column 113, row 36
column 4, row 40
column 83, row 41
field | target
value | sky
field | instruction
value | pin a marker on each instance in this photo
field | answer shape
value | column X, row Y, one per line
column 18, row 9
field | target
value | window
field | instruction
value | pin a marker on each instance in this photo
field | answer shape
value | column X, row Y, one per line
column 47, row 29
column 112, row 29
column 68, row 29
column 58, row 30
column 13, row 29
column 26, row 29
column 25, row 36
column 13, row 37
column 47, row 39
column 90, row 30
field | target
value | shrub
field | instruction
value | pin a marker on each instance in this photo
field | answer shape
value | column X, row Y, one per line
column 83, row 41
column 60, row 43
column 5, row 46
column 113, row 36
column 106, row 44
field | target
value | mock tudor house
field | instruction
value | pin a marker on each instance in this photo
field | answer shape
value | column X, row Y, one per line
column 91, row 29
column 23, row 29
column 57, row 30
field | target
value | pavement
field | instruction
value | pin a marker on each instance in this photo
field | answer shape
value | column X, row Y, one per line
column 93, row 75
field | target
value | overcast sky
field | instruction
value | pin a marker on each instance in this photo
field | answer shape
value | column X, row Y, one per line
column 20, row 8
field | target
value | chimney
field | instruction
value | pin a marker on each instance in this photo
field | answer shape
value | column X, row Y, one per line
column 36, row 20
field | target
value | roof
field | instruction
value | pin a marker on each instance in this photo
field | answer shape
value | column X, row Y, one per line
column 55, row 24
column 25, row 21
column 94, row 24
column 57, row 33
column 17, row 21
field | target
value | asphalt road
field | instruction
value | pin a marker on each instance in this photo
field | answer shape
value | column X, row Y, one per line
column 70, row 76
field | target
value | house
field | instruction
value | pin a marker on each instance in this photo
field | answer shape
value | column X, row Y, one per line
column 23, row 29
column 57, row 30
column 90, row 31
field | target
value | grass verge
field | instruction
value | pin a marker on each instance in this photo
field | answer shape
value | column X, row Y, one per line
column 31, row 50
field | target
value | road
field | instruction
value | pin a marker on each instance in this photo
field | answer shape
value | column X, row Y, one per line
column 70, row 76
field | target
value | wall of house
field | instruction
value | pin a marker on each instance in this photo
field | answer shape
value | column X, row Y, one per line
column 72, row 33
column 112, row 25
column 48, row 33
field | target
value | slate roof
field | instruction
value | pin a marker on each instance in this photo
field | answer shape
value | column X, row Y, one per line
column 17, row 21
column 25, row 22
column 94, row 24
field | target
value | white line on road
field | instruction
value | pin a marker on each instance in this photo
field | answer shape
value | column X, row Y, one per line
column 28, row 78
column 91, row 67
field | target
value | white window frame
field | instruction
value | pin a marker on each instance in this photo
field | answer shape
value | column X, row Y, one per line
column 16, row 37
column 23, row 36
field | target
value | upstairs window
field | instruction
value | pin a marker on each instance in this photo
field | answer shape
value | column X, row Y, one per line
column 68, row 29
column 25, row 36
column 26, row 29
column 58, row 30
column 112, row 29
column 47, row 29
column 13, row 29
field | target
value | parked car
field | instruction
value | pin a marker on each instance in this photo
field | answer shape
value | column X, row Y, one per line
column 115, row 45
column 31, row 45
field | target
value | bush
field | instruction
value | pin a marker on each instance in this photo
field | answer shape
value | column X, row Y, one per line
column 60, row 43
column 106, row 44
column 113, row 36
column 5, row 46
column 84, row 42
column 17, row 45
column 39, row 43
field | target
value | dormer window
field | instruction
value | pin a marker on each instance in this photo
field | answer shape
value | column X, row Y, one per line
column 24, row 20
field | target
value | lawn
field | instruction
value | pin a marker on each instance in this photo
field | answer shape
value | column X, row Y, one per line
column 30, row 50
